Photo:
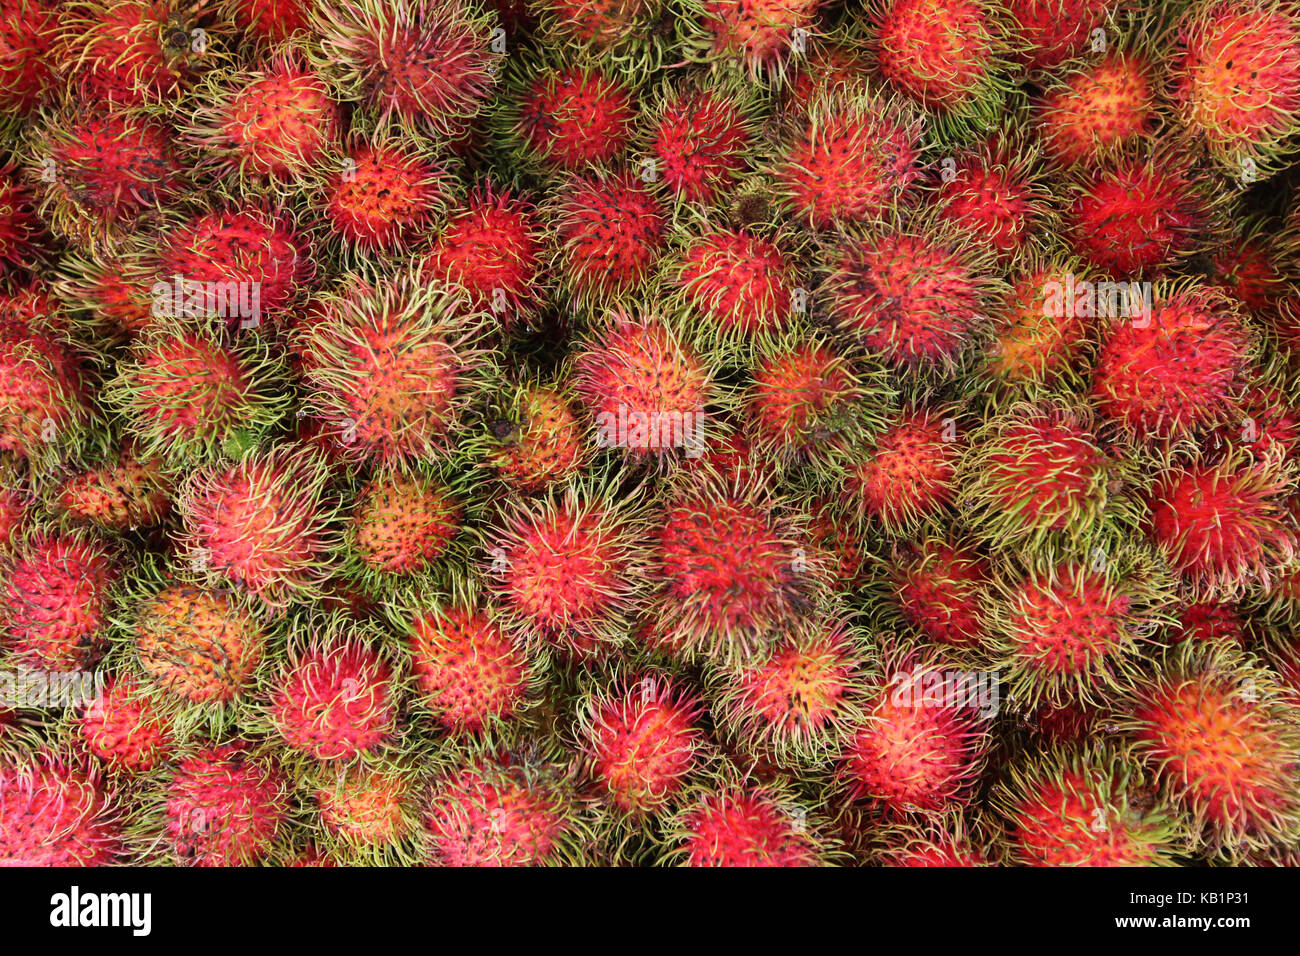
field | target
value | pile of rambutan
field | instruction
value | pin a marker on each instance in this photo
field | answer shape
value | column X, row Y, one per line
column 637, row 432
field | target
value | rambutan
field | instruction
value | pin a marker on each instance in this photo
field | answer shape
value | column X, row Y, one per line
column 1236, row 79
column 1105, row 106
column 1172, row 370
column 224, row 806
column 921, row 745
column 401, row 523
column 992, row 192
column 20, row 227
column 940, row 589
column 54, row 814
column 1089, row 808
column 1044, row 33
column 123, row 728
column 186, row 391
column 371, row 811
column 335, row 697
column 568, row 570
column 572, row 117
column 125, row 492
column 642, row 739
column 470, row 672
column 853, row 156
column 646, row 392
column 498, row 810
column 58, row 590
column 382, row 195
column 426, row 63
column 491, row 246
column 906, row 474
column 28, row 29
column 201, row 646
column 262, row 523
column 1223, row 525
column 764, row 35
column 699, row 140
column 609, row 232
column 392, row 366
column 1213, row 727
column 798, row 699
column 538, row 440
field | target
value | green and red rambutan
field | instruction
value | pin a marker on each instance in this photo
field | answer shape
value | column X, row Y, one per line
column 914, row 296
column 268, row 21
column 263, row 523
column 609, row 232
column 1037, row 472
column 382, row 195
column 537, row 439
column 920, row 747
column 1106, row 105
column 336, row 696
column 492, row 246
column 642, row 738
column 57, row 593
column 1085, row 808
column 45, row 400
column 853, row 156
column 21, row 229
column 274, row 123
column 570, row 117
column 698, row 139
column 907, row 471
column 646, row 391
column 1065, row 630
column 763, row 36
column 1224, row 525
column 54, row 813
column 370, row 813
column 28, row 30
column 947, row 55
column 568, row 570
column 469, row 671
column 1235, row 78
column 1141, row 211
column 401, row 523
column 742, row 285
column 122, row 727
column 109, row 290
column 735, row 567
column 937, row 841
column 796, row 701
column 745, row 823
column 224, row 806
column 497, row 808
column 1045, row 33
column 186, row 391
column 1174, row 369
column 198, row 646
column 392, row 365
column 1216, row 730
column 940, row 588
column 124, row 492
column 240, row 244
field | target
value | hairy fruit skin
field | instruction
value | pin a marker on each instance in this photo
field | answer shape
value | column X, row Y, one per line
column 224, row 807
column 53, row 814
column 742, row 827
column 124, row 729
column 335, row 702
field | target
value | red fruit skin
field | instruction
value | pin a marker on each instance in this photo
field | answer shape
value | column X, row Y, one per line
column 224, row 808
column 1109, row 102
column 909, row 474
column 761, row 31
column 119, row 50
column 20, row 227
column 941, row 594
column 281, row 123
column 699, row 141
column 490, row 815
column 575, row 118
column 1052, row 31
column 1222, row 527
column 55, row 603
column 610, row 234
column 493, row 242
column 28, row 29
column 470, row 671
column 124, row 729
column 743, row 827
column 337, row 703
column 993, row 202
column 270, row 21
column 383, row 198
column 1174, row 371
column 52, row 814
column 643, row 743
column 936, row 51
column 241, row 245
column 43, row 389
column 738, row 281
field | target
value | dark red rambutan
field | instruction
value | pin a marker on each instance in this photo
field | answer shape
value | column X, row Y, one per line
column 940, row 589
column 574, row 117
column 699, row 141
